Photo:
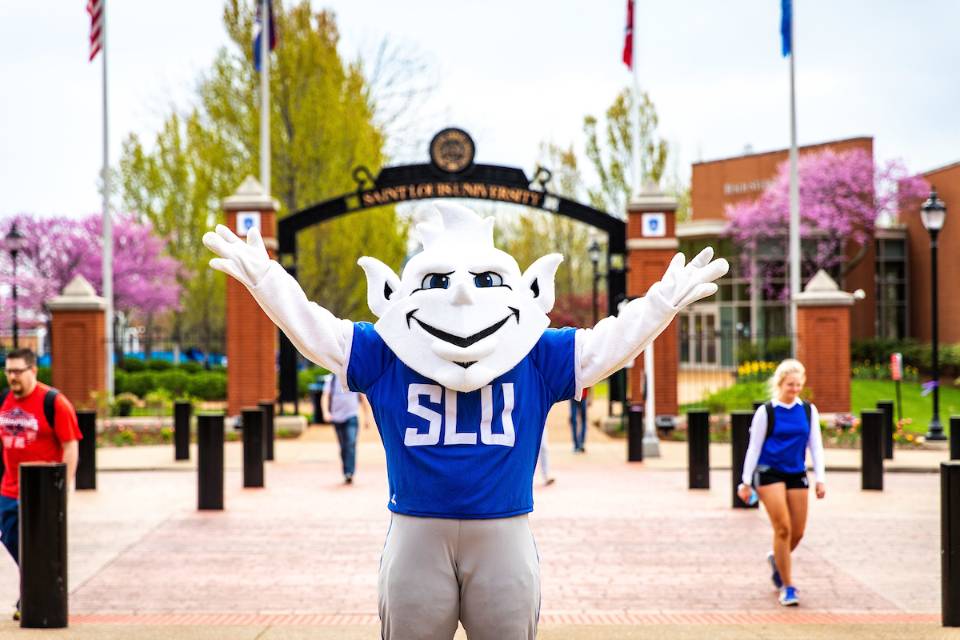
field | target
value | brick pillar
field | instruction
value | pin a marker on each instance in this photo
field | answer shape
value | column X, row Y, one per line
column 651, row 244
column 251, row 336
column 823, row 342
column 77, row 342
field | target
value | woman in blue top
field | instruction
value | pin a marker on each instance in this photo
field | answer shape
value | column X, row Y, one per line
column 775, row 464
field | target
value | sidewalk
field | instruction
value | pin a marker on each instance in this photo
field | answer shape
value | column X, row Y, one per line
column 627, row 551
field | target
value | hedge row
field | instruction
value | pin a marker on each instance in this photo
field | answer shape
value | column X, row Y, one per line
column 135, row 365
column 205, row 385
column 915, row 354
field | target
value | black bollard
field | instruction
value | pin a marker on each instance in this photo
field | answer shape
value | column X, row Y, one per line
column 43, row 545
column 181, row 430
column 950, row 543
column 269, row 429
column 87, row 464
column 252, row 447
column 955, row 437
column 316, row 396
column 886, row 406
column 209, row 462
column 698, row 449
column 739, row 440
column 635, row 433
column 871, row 449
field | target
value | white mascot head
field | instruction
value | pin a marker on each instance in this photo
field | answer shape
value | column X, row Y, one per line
column 461, row 313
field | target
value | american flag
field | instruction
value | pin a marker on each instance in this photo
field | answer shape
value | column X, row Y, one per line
column 95, row 9
column 628, row 37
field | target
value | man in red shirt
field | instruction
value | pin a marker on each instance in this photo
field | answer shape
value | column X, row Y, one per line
column 28, row 436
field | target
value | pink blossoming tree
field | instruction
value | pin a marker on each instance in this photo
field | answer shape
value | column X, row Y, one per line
column 842, row 198
column 58, row 249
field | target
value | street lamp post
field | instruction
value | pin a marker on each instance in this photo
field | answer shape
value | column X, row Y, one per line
column 14, row 242
column 594, row 252
column 933, row 213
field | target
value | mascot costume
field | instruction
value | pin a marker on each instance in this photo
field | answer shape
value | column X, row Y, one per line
column 460, row 370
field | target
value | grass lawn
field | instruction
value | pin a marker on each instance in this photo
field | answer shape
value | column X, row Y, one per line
column 865, row 393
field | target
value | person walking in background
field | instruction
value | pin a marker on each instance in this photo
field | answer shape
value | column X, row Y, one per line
column 543, row 461
column 775, row 463
column 578, row 420
column 37, row 424
column 345, row 409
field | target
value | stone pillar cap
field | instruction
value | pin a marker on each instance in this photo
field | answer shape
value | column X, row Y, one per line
column 822, row 291
column 78, row 295
column 652, row 198
column 250, row 196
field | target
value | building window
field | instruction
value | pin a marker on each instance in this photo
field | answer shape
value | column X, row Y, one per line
column 891, row 288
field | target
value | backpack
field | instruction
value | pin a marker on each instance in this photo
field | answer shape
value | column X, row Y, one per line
column 807, row 409
column 49, row 409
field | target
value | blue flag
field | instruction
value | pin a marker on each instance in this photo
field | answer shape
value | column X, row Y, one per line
column 786, row 27
column 258, row 32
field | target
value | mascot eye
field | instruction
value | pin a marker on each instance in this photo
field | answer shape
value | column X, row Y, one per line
column 435, row 281
column 488, row 279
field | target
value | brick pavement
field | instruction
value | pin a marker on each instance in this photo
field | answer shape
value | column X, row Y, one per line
column 623, row 547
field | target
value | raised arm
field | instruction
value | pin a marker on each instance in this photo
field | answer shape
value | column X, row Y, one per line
column 314, row 331
column 615, row 341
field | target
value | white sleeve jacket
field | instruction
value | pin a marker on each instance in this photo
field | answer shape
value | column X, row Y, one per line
column 758, row 433
column 326, row 339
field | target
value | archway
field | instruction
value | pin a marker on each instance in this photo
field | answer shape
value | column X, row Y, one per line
column 451, row 173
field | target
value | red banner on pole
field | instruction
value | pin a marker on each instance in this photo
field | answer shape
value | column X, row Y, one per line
column 896, row 366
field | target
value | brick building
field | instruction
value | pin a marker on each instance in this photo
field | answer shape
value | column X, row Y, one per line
column 894, row 273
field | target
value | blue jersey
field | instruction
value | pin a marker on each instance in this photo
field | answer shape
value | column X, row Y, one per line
column 461, row 455
column 785, row 448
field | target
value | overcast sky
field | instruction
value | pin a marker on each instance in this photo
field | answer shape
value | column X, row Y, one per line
column 513, row 73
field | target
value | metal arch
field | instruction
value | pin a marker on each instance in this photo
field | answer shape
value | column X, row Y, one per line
column 289, row 227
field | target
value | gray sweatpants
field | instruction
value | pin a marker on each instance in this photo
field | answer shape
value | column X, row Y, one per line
column 435, row 571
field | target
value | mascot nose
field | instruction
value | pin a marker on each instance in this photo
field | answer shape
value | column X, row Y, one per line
column 462, row 294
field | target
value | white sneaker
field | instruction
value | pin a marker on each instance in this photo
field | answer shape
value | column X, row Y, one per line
column 788, row 597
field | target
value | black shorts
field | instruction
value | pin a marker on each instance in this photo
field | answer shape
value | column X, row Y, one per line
column 765, row 475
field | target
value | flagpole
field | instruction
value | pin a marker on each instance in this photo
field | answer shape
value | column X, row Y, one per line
column 265, row 95
column 794, row 248
column 650, row 442
column 637, row 177
column 107, row 220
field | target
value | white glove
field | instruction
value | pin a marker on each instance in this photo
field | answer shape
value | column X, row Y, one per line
column 684, row 284
column 247, row 261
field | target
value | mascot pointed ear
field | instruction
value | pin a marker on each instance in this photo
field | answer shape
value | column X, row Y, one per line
column 383, row 285
column 539, row 280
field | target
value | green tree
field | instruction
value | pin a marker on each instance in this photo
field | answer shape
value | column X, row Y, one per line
column 614, row 160
column 534, row 233
column 322, row 126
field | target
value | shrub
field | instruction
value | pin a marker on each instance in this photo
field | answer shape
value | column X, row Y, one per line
column 159, row 401
column 876, row 351
column 173, row 381
column 133, row 364
column 139, row 384
column 159, row 365
column 123, row 404
column 190, row 367
column 208, row 385
column 755, row 371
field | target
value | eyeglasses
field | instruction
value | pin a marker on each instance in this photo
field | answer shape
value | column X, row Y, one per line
column 15, row 372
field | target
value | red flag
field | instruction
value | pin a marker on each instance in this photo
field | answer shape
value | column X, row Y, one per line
column 628, row 37
column 95, row 9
